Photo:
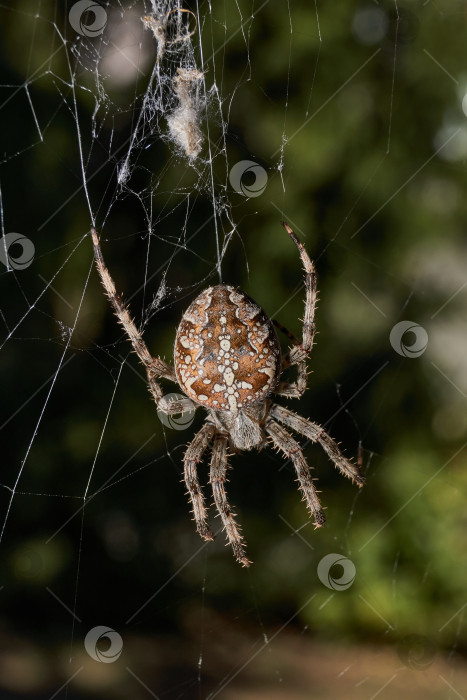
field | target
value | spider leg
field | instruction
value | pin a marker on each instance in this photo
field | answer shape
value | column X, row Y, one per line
column 308, row 331
column 217, row 479
column 290, row 447
column 155, row 367
column 192, row 458
column 172, row 404
column 293, row 390
column 298, row 354
column 317, row 434
column 285, row 331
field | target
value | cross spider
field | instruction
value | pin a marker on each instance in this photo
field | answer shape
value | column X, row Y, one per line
column 227, row 358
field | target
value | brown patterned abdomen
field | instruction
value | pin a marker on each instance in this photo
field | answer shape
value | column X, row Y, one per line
column 227, row 354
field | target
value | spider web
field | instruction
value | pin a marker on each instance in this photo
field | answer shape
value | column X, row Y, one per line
column 174, row 129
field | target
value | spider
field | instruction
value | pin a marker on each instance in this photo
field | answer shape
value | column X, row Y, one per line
column 227, row 358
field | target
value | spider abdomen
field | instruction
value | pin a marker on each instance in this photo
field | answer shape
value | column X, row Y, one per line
column 226, row 354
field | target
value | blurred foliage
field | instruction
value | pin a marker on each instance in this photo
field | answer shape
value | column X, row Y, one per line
column 382, row 215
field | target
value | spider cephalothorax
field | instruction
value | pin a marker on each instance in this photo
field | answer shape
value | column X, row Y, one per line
column 227, row 359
